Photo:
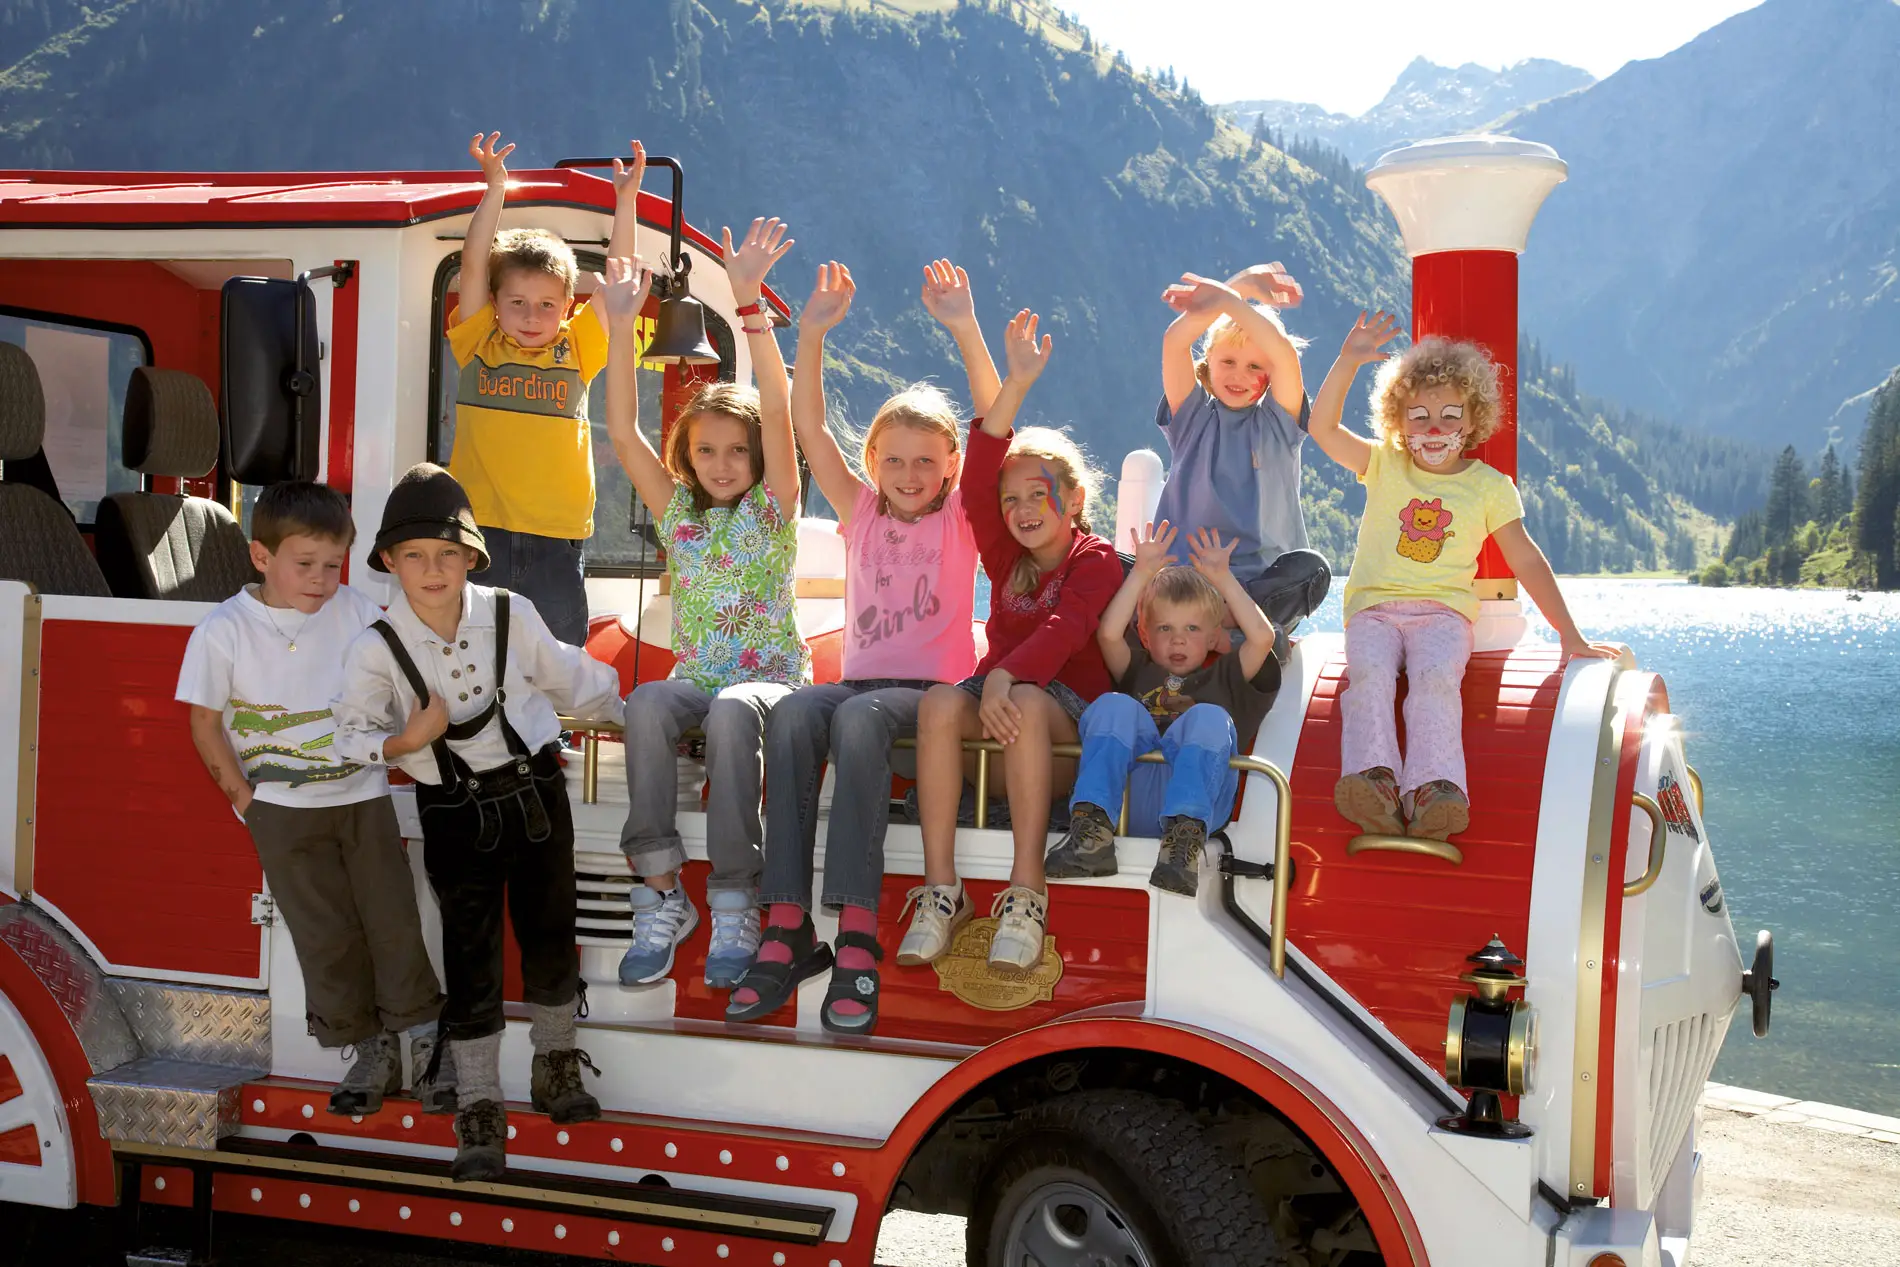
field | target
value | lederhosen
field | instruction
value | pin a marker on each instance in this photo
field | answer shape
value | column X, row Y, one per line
column 494, row 838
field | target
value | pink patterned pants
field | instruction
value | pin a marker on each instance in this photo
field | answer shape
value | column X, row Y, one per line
column 1431, row 642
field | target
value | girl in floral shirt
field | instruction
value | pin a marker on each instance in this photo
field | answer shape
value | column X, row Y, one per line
column 729, row 482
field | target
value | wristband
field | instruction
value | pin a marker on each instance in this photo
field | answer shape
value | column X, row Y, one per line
column 754, row 309
column 746, row 329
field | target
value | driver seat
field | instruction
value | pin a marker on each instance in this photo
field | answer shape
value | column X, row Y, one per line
column 39, row 543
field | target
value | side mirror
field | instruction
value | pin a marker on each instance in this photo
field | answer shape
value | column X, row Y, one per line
column 270, row 403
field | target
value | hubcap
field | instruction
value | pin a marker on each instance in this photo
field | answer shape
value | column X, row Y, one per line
column 1064, row 1223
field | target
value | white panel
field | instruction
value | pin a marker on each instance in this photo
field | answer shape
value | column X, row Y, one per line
column 13, row 599
column 52, row 1182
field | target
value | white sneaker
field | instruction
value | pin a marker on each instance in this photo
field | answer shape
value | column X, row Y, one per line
column 658, row 929
column 1021, row 913
column 941, row 911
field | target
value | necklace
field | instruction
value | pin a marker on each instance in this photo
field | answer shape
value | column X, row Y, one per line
column 290, row 640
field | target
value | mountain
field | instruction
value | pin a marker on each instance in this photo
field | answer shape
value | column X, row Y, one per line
column 996, row 132
column 1727, row 250
column 1427, row 100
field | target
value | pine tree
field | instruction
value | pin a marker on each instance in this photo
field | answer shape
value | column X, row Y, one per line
column 1787, row 497
column 1260, row 134
column 1877, row 507
column 1829, row 504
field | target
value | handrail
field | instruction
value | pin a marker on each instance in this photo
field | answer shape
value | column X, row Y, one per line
column 1695, row 784
column 1374, row 842
column 1658, row 844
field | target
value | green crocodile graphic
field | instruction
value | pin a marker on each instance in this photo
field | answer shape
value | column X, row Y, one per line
column 247, row 722
column 256, row 708
column 297, row 776
column 321, row 741
column 248, row 755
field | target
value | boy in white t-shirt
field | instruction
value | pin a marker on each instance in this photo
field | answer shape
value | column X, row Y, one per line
column 260, row 673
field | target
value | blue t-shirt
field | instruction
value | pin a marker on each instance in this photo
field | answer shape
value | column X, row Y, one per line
column 1236, row 471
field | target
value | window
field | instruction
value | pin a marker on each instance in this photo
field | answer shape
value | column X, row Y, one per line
column 83, row 373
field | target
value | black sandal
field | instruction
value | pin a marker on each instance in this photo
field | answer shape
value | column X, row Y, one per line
column 775, row 983
column 860, row 985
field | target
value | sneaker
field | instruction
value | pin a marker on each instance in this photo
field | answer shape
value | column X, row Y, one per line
column 375, row 1073
column 735, row 941
column 1020, row 914
column 658, row 929
column 1178, row 865
column 1440, row 810
column 481, row 1143
column 1371, row 800
column 556, row 1090
column 437, row 1094
column 941, row 910
column 1089, row 848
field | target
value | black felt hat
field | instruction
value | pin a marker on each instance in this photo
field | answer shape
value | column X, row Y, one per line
column 428, row 503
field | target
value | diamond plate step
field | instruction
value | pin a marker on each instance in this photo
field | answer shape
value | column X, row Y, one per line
column 201, row 1025
column 181, row 1103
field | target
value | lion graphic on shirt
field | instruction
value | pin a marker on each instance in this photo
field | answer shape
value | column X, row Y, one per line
column 1423, row 527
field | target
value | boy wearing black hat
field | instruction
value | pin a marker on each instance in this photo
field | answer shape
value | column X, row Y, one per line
column 458, row 686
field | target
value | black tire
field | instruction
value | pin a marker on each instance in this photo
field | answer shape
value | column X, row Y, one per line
column 1182, row 1200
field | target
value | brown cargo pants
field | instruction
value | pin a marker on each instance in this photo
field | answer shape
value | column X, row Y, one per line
column 342, row 884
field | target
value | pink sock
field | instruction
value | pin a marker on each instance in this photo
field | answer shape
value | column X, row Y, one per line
column 779, row 915
column 855, row 919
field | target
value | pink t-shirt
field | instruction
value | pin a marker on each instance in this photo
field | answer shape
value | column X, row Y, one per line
column 909, row 593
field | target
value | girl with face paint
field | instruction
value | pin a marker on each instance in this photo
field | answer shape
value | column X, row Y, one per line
column 1410, row 601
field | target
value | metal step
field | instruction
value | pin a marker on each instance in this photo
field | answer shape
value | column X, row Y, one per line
column 177, row 1103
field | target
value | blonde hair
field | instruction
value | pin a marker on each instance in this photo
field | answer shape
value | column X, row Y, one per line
column 1226, row 330
column 1058, row 452
column 532, row 251
column 1436, row 361
column 921, row 407
column 1181, row 586
column 729, row 400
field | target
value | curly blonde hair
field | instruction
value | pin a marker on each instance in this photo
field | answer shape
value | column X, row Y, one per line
column 1436, row 361
column 921, row 407
column 731, row 400
column 1226, row 330
column 1065, row 459
column 532, row 251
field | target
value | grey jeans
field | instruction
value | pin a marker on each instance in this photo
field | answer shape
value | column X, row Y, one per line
column 656, row 714
column 855, row 724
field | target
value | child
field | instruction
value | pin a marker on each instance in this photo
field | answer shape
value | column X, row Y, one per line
column 1050, row 577
column 729, row 483
column 1409, row 597
column 458, row 685
column 259, row 673
column 910, row 594
column 522, row 448
column 1235, row 419
column 1178, row 692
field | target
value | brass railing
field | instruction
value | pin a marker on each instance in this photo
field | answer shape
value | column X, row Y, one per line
column 1658, row 845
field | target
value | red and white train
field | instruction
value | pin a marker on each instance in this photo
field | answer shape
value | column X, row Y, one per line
column 1314, row 1062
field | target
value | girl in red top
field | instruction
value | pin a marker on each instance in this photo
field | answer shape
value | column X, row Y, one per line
column 1050, row 578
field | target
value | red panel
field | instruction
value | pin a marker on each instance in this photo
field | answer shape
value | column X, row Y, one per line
column 10, row 1087
column 92, row 1156
column 341, row 466
column 136, row 845
column 1394, row 929
column 1473, row 295
column 21, row 1146
column 165, row 1185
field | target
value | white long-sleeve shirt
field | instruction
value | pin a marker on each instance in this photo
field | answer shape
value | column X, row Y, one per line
column 543, row 674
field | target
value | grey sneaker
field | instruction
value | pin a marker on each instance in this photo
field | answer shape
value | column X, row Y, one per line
column 556, row 1089
column 1089, row 848
column 1021, row 914
column 437, row 1094
column 941, row 910
column 658, row 929
column 1178, row 866
column 1370, row 799
column 735, row 939
column 377, row 1072
column 481, row 1143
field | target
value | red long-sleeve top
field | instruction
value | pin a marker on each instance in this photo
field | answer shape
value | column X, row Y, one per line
column 1047, row 636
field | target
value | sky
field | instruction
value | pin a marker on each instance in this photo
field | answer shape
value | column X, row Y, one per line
column 1344, row 56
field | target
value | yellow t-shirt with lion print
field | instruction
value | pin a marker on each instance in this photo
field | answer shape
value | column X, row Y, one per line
column 1421, row 534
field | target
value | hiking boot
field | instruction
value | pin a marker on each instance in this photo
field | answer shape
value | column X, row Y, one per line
column 481, row 1143
column 1440, row 810
column 1370, row 800
column 1178, row 865
column 1020, row 914
column 941, row 910
column 377, row 1072
column 735, row 939
column 556, row 1089
column 659, row 926
column 1089, row 848
column 437, row 1094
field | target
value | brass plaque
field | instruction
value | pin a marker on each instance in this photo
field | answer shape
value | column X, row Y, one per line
column 965, row 971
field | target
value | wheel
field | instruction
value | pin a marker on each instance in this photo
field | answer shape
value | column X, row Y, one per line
column 1116, row 1179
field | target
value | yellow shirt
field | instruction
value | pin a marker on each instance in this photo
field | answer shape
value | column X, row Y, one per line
column 1421, row 534
column 522, row 448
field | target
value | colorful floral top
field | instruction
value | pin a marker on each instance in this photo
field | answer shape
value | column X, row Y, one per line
column 735, row 607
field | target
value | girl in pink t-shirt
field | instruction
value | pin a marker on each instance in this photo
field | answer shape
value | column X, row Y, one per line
column 910, row 593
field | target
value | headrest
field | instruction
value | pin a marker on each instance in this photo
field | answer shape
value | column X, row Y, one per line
column 22, row 405
column 171, row 424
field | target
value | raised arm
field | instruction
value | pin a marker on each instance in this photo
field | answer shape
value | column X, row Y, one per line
column 1210, row 560
column 1533, row 572
column 623, row 242
column 479, row 243
column 830, row 301
column 1026, row 359
column 620, row 296
column 1348, row 448
column 1194, row 295
column 947, row 297
column 1151, row 546
column 765, row 245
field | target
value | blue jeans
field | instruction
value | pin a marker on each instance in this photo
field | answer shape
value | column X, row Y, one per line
column 547, row 572
column 1195, row 783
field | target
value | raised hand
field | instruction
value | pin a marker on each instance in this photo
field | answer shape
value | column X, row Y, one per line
column 830, row 299
column 1271, row 284
column 765, row 244
column 1197, row 294
column 627, row 177
column 1151, row 545
column 492, row 156
column 624, row 290
column 1210, row 556
column 1024, row 356
column 1366, row 337
column 946, row 295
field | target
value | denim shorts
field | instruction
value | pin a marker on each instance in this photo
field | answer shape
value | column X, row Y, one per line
column 1066, row 699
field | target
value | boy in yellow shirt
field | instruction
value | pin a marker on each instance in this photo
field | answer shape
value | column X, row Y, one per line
column 522, row 448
